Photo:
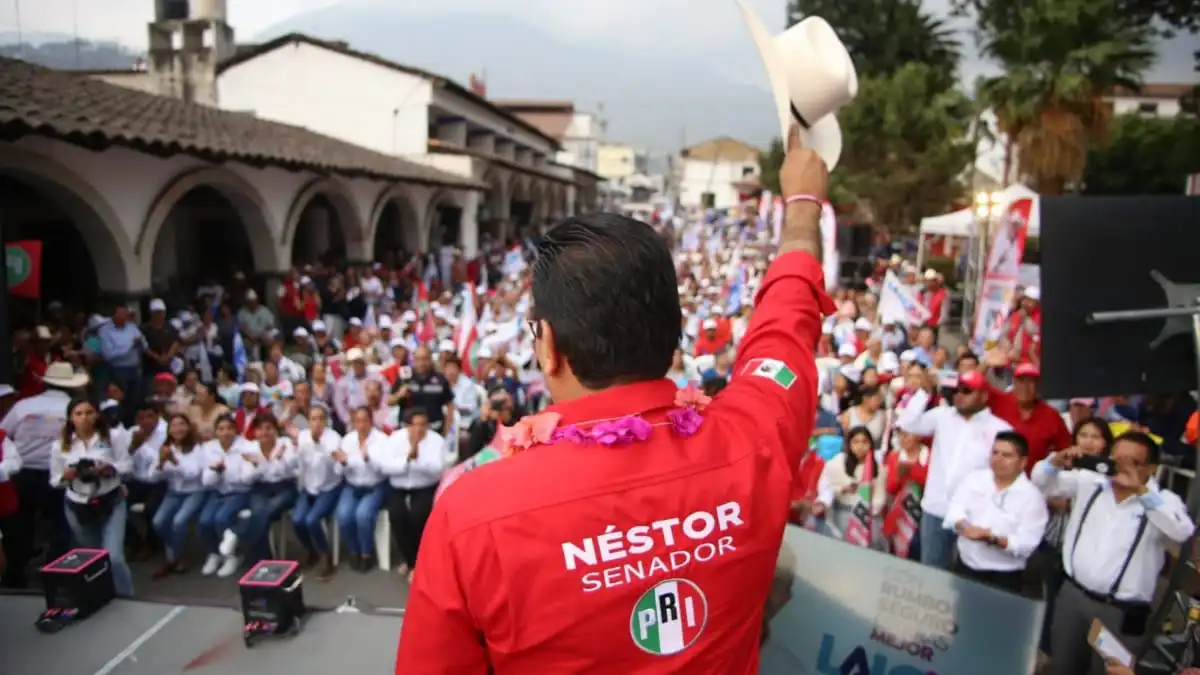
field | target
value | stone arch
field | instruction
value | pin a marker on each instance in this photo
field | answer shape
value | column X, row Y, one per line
column 245, row 198
column 518, row 187
column 401, row 197
column 537, row 193
column 339, row 196
column 98, row 224
column 433, row 214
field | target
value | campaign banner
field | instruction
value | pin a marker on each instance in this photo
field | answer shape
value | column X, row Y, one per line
column 830, row 263
column 898, row 304
column 862, row 612
column 24, row 262
column 903, row 518
column 1000, row 276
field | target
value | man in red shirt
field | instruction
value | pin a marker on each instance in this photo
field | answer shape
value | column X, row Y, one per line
column 710, row 340
column 628, row 533
column 1023, row 329
column 933, row 298
column 1030, row 416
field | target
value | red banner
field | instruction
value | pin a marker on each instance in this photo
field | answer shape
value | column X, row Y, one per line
column 902, row 521
column 24, row 262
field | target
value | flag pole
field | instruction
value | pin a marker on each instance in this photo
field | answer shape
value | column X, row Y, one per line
column 20, row 35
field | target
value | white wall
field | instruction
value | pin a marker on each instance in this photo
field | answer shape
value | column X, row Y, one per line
column 1126, row 105
column 337, row 95
column 581, row 142
column 699, row 176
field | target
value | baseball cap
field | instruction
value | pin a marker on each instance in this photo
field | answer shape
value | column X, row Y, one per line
column 847, row 350
column 355, row 354
column 157, row 305
column 1027, row 370
column 318, row 326
column 1089, row 402
column 1034, row 293
column 972, row 379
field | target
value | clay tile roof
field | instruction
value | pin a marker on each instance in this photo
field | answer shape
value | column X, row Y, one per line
column 1161, row 90
column 97, row 114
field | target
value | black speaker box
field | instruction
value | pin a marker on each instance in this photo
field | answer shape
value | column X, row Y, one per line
column 81, row 580
column 1097, row 255
column 272, row 595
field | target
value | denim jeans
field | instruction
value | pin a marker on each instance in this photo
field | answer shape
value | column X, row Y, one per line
column 268, row 503
column 356, row 513
column 109, row 535
column 173, row 518
column 307, row 515
column 937, row 543
column 220, row 513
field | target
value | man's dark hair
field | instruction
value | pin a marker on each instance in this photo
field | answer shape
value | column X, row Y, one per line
column 1143, row 439
column 1018, row 441
column 414, row 412
column 966, row 356
column 606, row 285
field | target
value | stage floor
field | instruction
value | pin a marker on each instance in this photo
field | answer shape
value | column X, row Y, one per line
column 142, row 638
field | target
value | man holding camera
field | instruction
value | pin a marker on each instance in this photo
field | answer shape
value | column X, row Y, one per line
column 498, row 410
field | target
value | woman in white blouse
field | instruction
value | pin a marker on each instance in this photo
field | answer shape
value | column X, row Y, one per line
column 362, row 497
column 181, row 463
column 275, row 492
column 89, row 464
column 229, row 474
column 320, row 486
column 843, row 475
column 414, row 465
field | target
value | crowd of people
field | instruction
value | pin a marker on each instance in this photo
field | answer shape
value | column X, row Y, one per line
column 349, row 393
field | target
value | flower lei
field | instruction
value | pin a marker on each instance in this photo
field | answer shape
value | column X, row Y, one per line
column 684, row 420
column 544, row 429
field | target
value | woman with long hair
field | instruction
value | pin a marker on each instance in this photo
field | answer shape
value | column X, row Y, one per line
column 362, row 497
column 182, row 466
column 89, row 464
column 275, row 491
column 230, row 475
column 845, row 474
column 202, row 414
column 320, row 487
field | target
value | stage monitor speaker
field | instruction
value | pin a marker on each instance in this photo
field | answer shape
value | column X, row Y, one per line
column 1097, row 255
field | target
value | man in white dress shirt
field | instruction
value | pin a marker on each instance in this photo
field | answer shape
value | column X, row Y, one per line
column 962, row 444
column 1114, row 547
column 414, row 471
column 999, row 517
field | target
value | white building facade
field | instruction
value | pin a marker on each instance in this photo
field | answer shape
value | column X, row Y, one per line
column 708, row 173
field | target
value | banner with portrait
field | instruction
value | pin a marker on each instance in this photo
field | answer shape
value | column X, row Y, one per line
column 836, row 609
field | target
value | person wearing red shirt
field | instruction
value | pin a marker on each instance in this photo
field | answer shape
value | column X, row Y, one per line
column 626, row 532
column 933, row 298
column 1030, row 416
column 710, row 340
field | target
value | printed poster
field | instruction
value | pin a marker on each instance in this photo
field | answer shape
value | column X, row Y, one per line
column 839, row 609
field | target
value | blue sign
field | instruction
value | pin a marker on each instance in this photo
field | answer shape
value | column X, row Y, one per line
column 840, row 609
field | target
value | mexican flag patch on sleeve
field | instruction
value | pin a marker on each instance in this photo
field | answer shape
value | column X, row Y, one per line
column 772, row 369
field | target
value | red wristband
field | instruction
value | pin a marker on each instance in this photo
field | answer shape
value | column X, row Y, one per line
column 804, row 198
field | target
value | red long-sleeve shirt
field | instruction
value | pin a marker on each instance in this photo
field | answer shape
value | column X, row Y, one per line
column 656, row 558
column 1044, row 428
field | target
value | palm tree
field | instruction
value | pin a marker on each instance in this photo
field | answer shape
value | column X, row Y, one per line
column 1060, row 58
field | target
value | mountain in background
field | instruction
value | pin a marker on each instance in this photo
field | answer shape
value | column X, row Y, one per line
column 649, row 99
column 65, row 53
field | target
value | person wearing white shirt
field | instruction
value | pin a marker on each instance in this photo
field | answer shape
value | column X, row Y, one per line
column 274, row 493
column 365, row 490
column 1114, row 545
column 999, row 517
column 414, row 464
column 34, row 425
column 142, row 485
column 962, row 444
column 89, row 464
column 180, row 464
column 320, row 478
column 230, row 475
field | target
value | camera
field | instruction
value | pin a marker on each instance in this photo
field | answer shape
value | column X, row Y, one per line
column 85, row 470
column 1097, row 463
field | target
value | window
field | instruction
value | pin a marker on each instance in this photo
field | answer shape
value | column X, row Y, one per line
column 174, row 10
column 1148, row 108
column 747, row 171
column 708, row 200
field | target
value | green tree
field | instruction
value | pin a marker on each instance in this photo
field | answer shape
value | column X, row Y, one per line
column 1144, row 155
column 769, row 162
column 906, row 160
column 883, row 35
column 1060, row 58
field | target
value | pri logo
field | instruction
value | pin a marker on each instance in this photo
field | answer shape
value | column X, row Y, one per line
column 19, row 265
column 668, row 618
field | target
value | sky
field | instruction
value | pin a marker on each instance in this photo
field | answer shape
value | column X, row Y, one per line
column 707, row 32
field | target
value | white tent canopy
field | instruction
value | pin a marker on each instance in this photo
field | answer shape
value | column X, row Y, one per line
column 959, row 223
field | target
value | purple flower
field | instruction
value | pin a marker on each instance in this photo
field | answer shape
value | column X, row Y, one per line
column 571, row 434
column 622, row 432
column 685, row 421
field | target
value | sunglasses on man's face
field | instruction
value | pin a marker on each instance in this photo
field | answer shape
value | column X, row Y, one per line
column 965, row 391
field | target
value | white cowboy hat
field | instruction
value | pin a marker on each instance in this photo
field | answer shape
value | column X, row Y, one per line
column 811, row 76
column 63, row 376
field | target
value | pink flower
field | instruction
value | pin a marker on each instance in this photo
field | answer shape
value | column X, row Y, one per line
column 691, row 397
column 528, row 432
column 572, row 434
column 684, row 421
